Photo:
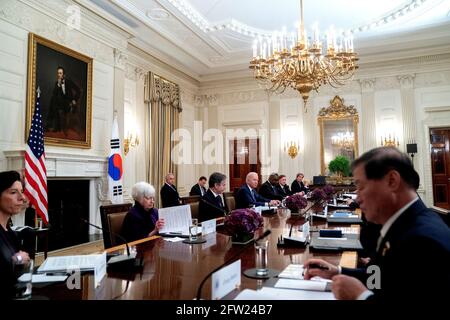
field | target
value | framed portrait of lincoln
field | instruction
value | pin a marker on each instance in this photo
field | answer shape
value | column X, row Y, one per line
column 63, row 78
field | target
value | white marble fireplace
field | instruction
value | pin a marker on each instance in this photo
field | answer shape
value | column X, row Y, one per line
column 64, row 166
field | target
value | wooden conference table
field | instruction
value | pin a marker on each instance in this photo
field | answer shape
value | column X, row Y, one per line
column 174, row 270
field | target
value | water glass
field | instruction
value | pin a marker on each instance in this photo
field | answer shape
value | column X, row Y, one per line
column 193, row 230
column 261, row 247
column 23, row 273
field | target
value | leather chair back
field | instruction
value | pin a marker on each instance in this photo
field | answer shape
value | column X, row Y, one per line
column 112, row 220
column 194, row 209
column 231, row 202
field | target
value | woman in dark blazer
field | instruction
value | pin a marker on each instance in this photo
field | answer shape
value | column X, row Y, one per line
column 12, row 201
column 142, row 220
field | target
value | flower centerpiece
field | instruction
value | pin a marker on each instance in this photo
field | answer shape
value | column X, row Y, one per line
column 241, row 224
column 329, row 192
column 296, row 202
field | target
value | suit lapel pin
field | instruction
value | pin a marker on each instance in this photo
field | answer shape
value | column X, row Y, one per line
column 387, row 246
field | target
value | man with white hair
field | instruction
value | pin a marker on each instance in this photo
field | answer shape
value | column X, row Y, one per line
column 248, row 197
column 169, row 193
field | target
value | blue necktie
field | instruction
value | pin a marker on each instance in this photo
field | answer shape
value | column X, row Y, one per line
column 219, row 201
column 253, row 195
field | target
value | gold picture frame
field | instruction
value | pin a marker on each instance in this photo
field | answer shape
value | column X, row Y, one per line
column 64, row 78
column 336, row 118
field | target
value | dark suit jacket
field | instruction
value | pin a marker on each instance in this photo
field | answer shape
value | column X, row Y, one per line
column 210, row 208
column 195, row 190
column 283, row 191
column 245, row 199
column 268, row 191
column 169, row 196
column 298, row 187
column 9, row 246
column 138, row 222
column 414, row 258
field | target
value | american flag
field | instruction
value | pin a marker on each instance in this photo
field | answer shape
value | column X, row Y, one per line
column 35, row 171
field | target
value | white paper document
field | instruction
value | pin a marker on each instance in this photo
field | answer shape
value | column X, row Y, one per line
column 174, row 239
column 69, row 263
column 292, row 271
column 268, row 293
column 260, row 209
column 176, row 219
column 43, row 278
column 302, row 284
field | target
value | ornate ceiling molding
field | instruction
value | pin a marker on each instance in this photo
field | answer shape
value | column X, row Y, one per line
column 239, row 27
column 406, row 81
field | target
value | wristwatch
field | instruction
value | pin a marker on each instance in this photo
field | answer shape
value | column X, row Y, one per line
column 19, row 258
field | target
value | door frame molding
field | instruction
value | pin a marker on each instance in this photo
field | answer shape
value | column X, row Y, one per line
column 434, row 120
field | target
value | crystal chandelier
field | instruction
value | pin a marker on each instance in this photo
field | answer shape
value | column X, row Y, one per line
column 302, row 66
column 343, row 140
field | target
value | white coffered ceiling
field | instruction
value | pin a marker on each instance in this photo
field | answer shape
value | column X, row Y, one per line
column 207, row 39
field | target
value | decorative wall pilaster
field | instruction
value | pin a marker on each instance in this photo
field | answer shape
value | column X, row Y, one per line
column 120, row 63
column 408, row 108
column 368, row 136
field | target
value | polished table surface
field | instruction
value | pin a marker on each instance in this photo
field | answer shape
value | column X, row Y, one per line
column 174, row 270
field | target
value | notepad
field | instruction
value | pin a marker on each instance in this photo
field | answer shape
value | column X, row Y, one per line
column 43, row 278
column 267, row 293
column 292, row 271
column 64, row 263
column 300, row 284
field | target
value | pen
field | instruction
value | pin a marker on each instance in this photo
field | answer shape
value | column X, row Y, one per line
column 317, row 266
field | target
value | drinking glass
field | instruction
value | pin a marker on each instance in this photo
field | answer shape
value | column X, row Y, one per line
column 261, row 247
column 23, row 273
column 193, row 230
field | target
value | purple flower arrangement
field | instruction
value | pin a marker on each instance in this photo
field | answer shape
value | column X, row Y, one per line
column 318, row 195
column 241, row 221
column 296, row 202
column 329, row 192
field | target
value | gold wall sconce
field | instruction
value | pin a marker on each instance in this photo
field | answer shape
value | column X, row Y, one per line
column 132, row 140
column 291, row 148
column 390, row 141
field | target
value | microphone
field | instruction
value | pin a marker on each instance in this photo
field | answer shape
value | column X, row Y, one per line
column 199, row 291
column 292, row 241
column 120, row 263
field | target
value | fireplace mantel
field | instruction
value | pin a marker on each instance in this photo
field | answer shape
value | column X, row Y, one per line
column 62, row 164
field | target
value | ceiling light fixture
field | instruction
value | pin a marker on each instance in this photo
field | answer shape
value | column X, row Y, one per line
column 293, row 61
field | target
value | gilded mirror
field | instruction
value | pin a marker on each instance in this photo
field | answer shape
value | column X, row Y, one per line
column 338, row 132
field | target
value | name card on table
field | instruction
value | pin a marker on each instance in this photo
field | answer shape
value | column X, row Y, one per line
column 100, row 269
column 208, row 226
column 305, row 229
column 226, row 280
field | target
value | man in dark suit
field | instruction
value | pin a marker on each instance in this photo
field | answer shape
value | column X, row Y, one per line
column 64, row 102
column 413, row 252
column 212, row 204
column 169, row 193
column 298, row 185
column 282, row 187
column 248, row 197
column 199, row 189
column 268, row 189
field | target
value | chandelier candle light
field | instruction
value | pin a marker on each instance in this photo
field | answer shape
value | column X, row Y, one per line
column 343, row 140
column 302, row 65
